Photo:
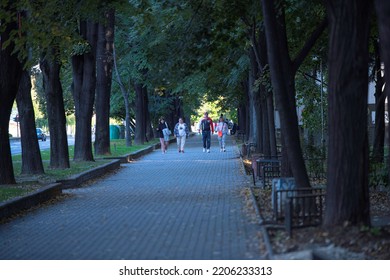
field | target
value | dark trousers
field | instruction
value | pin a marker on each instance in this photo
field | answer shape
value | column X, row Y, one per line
column 206, row 137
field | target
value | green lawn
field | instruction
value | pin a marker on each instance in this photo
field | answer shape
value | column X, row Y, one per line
column 28, row 184
column 9, row 192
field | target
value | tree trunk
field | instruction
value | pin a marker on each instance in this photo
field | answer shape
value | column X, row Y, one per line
column 265, row 127
column 383, row 10
column 59, row 153
column 149, row 135
column 125, row 95
column 84, row 85
column 251, row 104
column 379, row 134
column 248, row 109
column 271, row 125
column 104, row 54
column 146, row 111
column 10, row 74
column 139, row 137
column 266, row 143
column 282, row 76
column 241, row 115
column 31, row 154
column 347, row 198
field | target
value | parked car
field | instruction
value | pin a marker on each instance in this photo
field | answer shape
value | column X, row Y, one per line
column 41, row 135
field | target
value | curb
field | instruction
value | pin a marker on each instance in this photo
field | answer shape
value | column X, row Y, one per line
column 19, row 204
column 78, row 179
column 136, row 155
column 130, row 157
column 16, row 205
column 22, row 203
column 263, row 228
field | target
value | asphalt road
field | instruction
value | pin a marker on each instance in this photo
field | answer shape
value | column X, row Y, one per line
column 43, row 145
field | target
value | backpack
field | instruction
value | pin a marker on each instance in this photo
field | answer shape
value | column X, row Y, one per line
column 205, row 124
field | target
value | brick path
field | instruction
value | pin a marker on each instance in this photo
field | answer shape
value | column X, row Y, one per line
column 163, row 206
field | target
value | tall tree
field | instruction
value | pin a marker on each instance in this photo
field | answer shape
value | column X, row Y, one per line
column 379, row 134
column 347, row 198
column 382, row 8
column 140, row 131
column 283, row 71
column 83, row 88
column 52, row 47
column 31, row 154
column 51, row 66
column 104, row 54
column 126, row 98
column 10, row 73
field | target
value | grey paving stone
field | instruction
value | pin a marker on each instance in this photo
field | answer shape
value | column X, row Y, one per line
column 162, row 206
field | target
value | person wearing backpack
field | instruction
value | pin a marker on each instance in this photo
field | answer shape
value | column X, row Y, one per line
column 207, row 127
column 164, row 132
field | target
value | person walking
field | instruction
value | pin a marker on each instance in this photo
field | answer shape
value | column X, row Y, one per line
column 222, row 130
column 181, row 132
column 164, row 133
column 207, row 127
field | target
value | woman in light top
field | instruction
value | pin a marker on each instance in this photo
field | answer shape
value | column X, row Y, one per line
column 222, row 130
column 181, row 133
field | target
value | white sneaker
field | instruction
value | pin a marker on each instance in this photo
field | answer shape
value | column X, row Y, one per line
column 220, row 150
column 204, row 150
column 208, row 150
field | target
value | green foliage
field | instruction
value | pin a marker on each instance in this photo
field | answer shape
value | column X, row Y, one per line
column 313, row 102
column 302, row 18
column 81, row 48
column 264, row 80
column 186, row 48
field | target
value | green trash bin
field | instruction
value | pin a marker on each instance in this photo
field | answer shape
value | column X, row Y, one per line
column 114, row 132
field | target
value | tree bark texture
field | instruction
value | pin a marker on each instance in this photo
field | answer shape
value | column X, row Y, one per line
column 241, row 115
column 283, row 83
column 248, row 109
column 382, row 8
column 255, row 103
column 251, row 110
column 271, row 125
column 266, row 130
column 347, row 197
column 104, row 54
column 31, row 154
column 59, row 152
column 379, row 134
column 84, row 85
column 148, row 122
column 10, row 74
column 139, row 137
column 126, row 101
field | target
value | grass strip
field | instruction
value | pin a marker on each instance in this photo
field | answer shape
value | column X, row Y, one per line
column 30, row 183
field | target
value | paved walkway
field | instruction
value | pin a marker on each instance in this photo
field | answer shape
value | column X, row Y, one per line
column 163, row 206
